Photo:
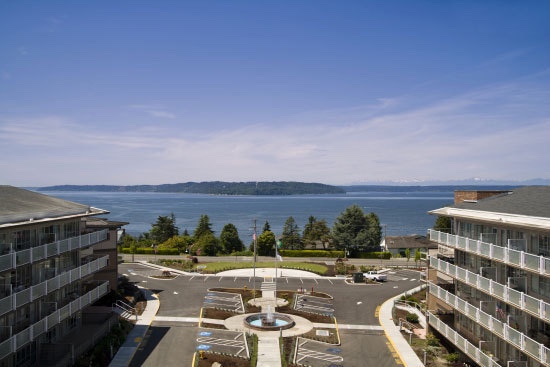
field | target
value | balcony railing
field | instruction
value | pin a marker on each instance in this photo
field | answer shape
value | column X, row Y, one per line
column 520, row 259
column 520, row 300
column 35, row 330
column 521, row 341
column 28, row 256
column 25, row 296
column 476, row 354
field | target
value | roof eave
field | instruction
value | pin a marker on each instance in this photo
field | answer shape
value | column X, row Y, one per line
column 494, row 217
column 91, row 212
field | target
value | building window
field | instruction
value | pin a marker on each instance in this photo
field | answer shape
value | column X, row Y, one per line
column 541, row 245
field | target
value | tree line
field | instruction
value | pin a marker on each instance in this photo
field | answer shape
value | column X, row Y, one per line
column 353, row 231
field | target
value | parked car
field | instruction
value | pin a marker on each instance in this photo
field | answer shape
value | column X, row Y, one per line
column 376, row 276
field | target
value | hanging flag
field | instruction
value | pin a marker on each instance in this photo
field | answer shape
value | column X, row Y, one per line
column 254, row 236
column 277, row 256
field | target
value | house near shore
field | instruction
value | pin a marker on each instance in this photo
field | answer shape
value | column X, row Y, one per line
column 398, row 245
column 56, row 261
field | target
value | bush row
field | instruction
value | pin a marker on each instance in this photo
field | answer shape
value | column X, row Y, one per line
column 150, row 251
column 311, row 253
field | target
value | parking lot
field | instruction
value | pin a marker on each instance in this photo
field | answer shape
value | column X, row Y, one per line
column 354, row 306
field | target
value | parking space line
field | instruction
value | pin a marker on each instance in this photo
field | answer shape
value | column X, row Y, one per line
column 305, row 353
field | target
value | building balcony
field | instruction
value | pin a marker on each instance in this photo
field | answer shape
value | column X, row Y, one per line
column 531, row 305
column 522, row 342
column 521, row 259
column 18, row 299
column 475, row 353
column 15, row 342
column 28, row 256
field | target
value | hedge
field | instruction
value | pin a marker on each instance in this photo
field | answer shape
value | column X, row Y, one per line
column 311, row 253
column 150, row 251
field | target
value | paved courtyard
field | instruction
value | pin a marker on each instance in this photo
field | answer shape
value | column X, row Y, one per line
column 174, row 335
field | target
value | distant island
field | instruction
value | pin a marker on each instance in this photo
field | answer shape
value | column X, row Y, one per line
column 213, row 188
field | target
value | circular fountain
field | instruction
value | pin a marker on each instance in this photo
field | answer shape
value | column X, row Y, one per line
column 269, row 321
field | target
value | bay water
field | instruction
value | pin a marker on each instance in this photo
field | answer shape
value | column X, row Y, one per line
column 401, row 212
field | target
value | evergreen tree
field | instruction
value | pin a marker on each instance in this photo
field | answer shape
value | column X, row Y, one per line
column 316, row 231
column 355, row 231
column 266, row 244
column 203, row 227
column 443, row 224
column 267, row 227
column 164, row 228
column 291, row 235
column 374, row 232
column 229, row 239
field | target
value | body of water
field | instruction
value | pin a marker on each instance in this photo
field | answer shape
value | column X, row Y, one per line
column 400, row 213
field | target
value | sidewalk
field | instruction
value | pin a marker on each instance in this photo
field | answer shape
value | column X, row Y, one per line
column 133, row 340
column 399, row 343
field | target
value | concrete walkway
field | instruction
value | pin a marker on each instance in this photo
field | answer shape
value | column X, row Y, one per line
column 399, row 343
column 268, row 342
column 133, row 340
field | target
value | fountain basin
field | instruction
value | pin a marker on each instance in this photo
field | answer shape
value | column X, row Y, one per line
column 268, row 321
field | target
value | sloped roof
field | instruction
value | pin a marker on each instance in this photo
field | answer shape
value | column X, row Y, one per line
column 533, row 201
column 413, row 241
column 524, row 207
column 19, row 206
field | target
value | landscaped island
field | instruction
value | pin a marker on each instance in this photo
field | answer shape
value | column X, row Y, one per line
column 214, row 188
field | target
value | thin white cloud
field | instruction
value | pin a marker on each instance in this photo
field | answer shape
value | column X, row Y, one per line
column 154, row 111
column 498, row 131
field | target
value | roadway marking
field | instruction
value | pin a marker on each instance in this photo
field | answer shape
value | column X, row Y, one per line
column 377, row 311
column 308, row 353
column 330, row 281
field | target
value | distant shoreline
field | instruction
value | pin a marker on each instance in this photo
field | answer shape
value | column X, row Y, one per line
column 279, row 188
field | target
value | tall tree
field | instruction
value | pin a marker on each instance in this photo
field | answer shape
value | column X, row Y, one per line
column 316, row 231
column 352, row 230
column 443, row 224
column 291, row 235
column 164, row 228
column 267, row 227
column 229, row 239
column 266, row 244
column 207, row 245
column 374, row 232
column 203, row 227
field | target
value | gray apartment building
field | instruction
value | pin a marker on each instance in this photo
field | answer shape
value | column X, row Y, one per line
column 56, row 260
column 489, row 282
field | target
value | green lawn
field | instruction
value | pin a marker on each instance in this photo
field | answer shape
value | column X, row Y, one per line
column 216, row 267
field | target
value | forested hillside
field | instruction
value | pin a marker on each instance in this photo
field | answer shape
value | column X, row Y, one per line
column 213, row 188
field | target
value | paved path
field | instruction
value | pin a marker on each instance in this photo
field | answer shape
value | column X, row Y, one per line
column 133, row 340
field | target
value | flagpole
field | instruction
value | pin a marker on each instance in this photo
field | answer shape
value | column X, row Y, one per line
column 254, row 274
column 276, row 265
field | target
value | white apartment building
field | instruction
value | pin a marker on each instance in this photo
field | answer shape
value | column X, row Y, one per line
column 49, row 276
column 489, row 285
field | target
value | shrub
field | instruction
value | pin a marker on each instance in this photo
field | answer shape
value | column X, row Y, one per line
column 412, row 317
column 452, row 357
column 432, row 340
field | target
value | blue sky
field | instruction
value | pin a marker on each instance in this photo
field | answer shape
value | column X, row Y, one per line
column 338, row 92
